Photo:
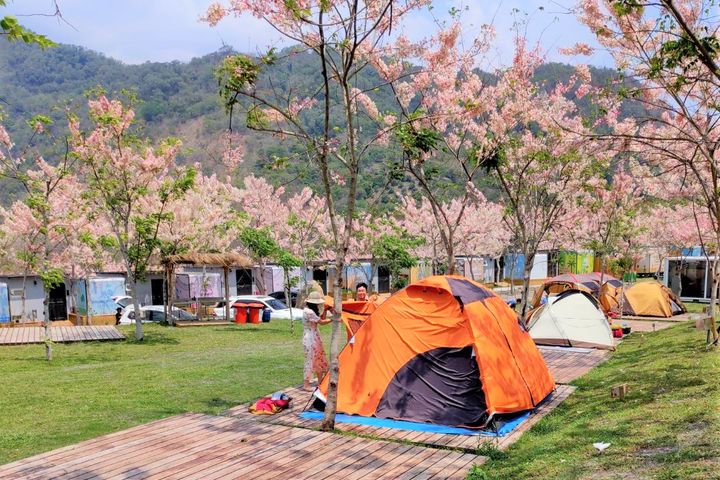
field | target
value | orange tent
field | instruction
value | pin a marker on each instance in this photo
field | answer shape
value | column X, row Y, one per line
column 651, row 299
column 354, row 313
column 585, row 282
column 444, row 350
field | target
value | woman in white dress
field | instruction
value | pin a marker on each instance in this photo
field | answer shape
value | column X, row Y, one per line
column 315, row 361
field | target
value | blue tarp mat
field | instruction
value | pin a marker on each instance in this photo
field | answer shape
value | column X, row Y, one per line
column 505, row 429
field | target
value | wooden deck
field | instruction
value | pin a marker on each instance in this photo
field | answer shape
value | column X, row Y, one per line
column 194, row 446
column 567, row 364
column 466, row 443
column 87, row 333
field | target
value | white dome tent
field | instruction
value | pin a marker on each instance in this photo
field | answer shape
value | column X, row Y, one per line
column 571, row 319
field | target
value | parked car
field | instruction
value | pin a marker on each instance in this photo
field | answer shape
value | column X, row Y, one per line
column 281, row 296
column 154, row 313
column 122, row 301
column 278, row 309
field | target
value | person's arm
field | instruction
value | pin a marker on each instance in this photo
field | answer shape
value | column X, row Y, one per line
column 323, row 318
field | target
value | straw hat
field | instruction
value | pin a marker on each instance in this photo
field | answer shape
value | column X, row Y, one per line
column 316, row 298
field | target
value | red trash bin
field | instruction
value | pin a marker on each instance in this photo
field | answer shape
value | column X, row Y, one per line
column 247, row 312
column 241, row 312
column 254, row 316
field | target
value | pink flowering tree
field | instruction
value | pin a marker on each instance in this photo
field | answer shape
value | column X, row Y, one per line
column 131, row 183
column 39, row 230
column 203, row 219
column 669, row 50
column 613, row 206
column 445, row 127
column 345, row 38
column 547, row 158
column 479, row 228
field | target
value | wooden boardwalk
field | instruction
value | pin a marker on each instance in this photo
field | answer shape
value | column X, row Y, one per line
column 467, row 443
column 86, row 333
column 567, row 364
column 194, row 446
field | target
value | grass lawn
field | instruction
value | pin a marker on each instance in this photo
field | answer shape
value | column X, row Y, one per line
column 90, row 389
column 668, row 427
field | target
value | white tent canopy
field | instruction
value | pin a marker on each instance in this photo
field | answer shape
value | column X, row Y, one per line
column 571, row 319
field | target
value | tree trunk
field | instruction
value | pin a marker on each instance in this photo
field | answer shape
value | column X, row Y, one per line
column 713, row 298
column 328, row 422
column 23, row 304
column 226, row 279
column 46, row 313
column 136, row 308
column 451, row 267
column 288, row 301
column 529, row 260
column 602, row 269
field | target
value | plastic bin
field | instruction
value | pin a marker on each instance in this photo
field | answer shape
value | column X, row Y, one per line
column 240, row 313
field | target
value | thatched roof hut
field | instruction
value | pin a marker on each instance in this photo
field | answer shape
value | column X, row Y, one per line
column 209, row 259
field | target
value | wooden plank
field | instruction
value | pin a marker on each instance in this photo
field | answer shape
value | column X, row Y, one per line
column 328, row 464
column 163, row 454
column 459, row 469
column 128, row 454
column 124, row 437
column 232, row 450
column 272, row 466
column 306, row 445
column 389, row 455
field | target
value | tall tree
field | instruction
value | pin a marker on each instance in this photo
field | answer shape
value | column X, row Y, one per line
column 345, row 37
column 546, row 160
column 668, row 50
column 39, row 229
column 131, row 182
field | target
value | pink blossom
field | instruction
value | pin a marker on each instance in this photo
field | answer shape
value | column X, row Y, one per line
column 577, row 49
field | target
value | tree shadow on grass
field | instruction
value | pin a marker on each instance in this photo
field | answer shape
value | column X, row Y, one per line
column 154, row 338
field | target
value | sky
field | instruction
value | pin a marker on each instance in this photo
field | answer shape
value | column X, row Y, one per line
column 138, row 31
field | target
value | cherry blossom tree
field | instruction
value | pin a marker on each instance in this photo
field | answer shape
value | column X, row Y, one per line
column 445, row 126
column 479, row 228
column 613, row 206
column 131, row 183
column 546, row 159
column 345, row 37
column 38, row 230
column 668, row 51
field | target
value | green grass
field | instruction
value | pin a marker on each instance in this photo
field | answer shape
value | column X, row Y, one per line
column 90, row 389
column 668, row 427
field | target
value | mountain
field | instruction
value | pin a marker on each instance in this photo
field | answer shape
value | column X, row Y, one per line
column 181, row 99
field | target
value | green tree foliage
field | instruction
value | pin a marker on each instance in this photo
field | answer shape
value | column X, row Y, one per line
column 181, row 98
column 11, row 29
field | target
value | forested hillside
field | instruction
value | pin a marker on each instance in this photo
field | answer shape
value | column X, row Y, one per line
column 178, row 99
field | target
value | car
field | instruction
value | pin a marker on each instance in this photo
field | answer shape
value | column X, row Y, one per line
column 153, row 313
column 122, row 301
column 280, row 295
column 278, row 309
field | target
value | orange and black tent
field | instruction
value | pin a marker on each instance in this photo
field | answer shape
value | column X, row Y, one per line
column 444, row 350
column 651, row 299
column 585, row 282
